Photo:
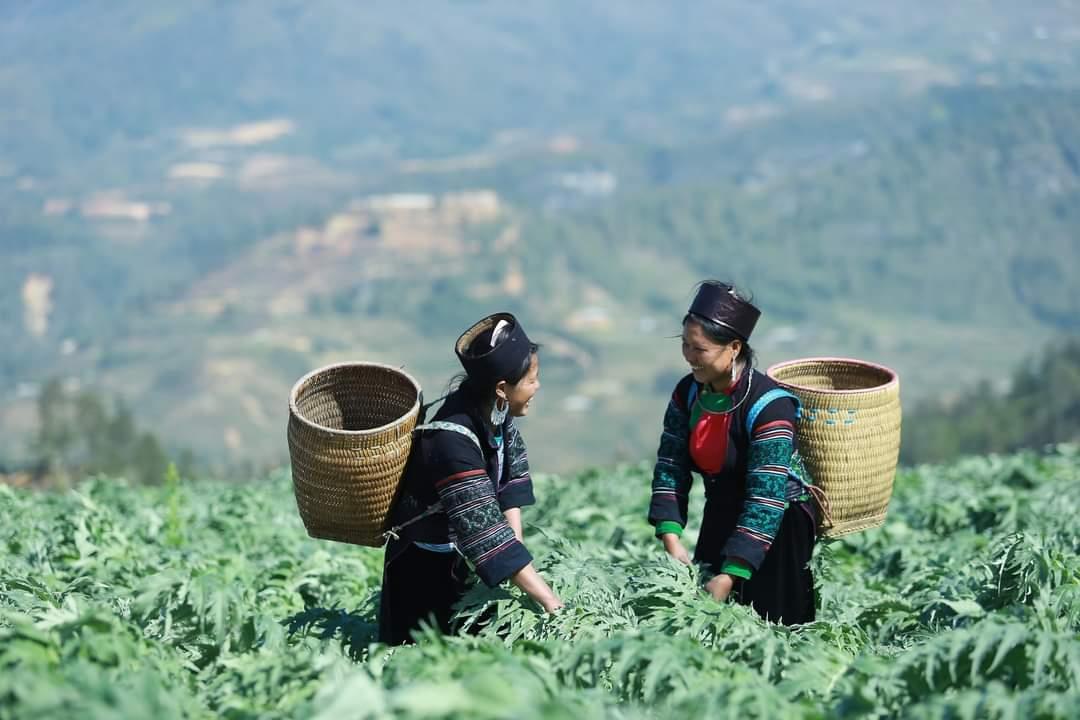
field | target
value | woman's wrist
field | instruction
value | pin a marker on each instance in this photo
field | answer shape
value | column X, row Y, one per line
column 533, row 585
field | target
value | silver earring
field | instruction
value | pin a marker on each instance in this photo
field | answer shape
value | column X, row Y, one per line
column 498, row 414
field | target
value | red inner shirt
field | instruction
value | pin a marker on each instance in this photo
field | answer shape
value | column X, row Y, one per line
column 709, row 434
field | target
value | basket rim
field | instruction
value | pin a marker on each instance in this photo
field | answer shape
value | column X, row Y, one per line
column 295, row 411
column 894, row 379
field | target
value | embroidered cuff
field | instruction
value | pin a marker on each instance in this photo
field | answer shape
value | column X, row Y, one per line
column 736, row 568
column 506, row 563
column 668, row 526
column 516, row 494
column 747, row 548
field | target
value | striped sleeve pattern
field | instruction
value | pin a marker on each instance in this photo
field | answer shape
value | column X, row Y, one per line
column 517, row 491
column 476, row 522
column 671, row 475
column 771, row 446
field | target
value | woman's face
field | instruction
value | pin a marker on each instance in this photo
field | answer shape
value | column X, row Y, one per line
column 710, row 362
column 521, row 394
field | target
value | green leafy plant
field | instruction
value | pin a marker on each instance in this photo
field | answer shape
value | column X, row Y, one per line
column 200, row 599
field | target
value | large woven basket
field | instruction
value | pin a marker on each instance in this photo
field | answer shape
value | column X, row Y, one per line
column 350, row 431
column 849, row 435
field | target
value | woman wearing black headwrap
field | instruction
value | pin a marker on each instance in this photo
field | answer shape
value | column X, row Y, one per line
column 465, row 483
column 735, row 427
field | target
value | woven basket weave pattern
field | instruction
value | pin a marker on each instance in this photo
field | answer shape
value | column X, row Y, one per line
column 350, row 432
column 849, row 435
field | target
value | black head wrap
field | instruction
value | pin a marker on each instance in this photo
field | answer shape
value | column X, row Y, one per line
column 719, row 303
column 495, row 348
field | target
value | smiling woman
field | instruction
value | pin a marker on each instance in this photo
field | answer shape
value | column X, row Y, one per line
column 464, row 486
column 727, row 422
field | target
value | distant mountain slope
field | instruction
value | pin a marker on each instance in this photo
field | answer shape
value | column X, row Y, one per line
column 962, row 208
column 87, row 85
column 936, row 235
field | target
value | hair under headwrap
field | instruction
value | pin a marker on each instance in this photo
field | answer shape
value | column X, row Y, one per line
column 719, row 302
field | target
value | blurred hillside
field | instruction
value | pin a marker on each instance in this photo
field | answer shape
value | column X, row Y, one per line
column 198, row 204
column 110, row 85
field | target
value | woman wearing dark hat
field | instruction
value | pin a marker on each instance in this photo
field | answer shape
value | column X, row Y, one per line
column 735, row 427
column 463, row 488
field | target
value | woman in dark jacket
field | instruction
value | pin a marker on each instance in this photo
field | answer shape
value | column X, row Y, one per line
column 735, row 427
column 464, row 486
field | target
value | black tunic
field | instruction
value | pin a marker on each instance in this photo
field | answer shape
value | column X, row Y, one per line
column 474, row 488
column 754, row 514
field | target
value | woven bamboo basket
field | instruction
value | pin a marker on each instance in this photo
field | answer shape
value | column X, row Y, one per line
column 849, row 435
column 350, row 432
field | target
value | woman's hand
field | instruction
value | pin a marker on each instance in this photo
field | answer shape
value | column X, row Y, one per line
column 554, row 606
column 720, row 586
column 674, row 548
column 534, row 586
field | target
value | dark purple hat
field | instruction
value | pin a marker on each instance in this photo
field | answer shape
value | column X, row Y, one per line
column 719, row 302
column 495, row 348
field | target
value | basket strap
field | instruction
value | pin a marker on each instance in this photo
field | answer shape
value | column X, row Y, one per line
column 452, row 427
column 764, row 400
column 817, row 493
column 395, row 531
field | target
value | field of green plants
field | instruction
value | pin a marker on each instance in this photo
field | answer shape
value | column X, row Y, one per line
column 198, row 600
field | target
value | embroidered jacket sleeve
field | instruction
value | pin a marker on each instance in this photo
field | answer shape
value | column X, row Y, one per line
column 468, row 497
column 517, row 491
column 772, row 442
column 671, row 476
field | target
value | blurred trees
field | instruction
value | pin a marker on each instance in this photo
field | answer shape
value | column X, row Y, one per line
column 1041, row 407
column 80, row 433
